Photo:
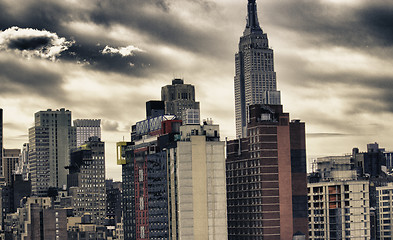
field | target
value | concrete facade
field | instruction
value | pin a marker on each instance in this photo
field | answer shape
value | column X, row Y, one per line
column 385, row 212
column 339, row 210
column 50, row 141
column 199, row 187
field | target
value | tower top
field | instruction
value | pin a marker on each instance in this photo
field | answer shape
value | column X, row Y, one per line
column 252, row 18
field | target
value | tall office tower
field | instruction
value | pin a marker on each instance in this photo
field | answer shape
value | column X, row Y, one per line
column 86, row 180
column 255, row 79
column 86, row 128
column 179, row 97
column 1, row 139
column 50, row 141
column 266, row 178
column 10, row 160
column 23, row 163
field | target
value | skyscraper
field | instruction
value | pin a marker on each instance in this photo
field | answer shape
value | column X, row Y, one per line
column 50, row 141
column 266, row 177
column 255, row 79
column 86, row 180
column 179, row 100
column 86, row 128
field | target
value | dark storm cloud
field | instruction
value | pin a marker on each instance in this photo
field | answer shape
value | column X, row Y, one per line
column 155, row 20
column 17, row 77
column 32, row 42
column 362, row 27
column 29, row 43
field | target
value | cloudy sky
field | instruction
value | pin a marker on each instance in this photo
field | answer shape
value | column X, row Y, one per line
column 106, row 58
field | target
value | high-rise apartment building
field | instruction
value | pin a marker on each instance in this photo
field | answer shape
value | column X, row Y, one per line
column 178, row 98
column 266, row 177
column 385, row 212
column 50, row 141
column 86, row 128
column 255, row 79
column 173, row 178
column 10, row 161
column 86, row 180
column 339, row 210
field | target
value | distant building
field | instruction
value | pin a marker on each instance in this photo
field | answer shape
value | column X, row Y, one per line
column 178, row 97
column 339, row 210
column 38, row 220
column 389, row 160
column 86, row 128
column 266, row 177
column 113, row 202
column 10, row 160
column 50, row 141
column 86, row 180
column 369, row 163
column 23, row 163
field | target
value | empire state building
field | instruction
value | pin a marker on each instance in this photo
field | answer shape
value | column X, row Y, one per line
column 255, row 79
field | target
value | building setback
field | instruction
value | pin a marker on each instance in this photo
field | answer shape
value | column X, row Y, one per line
column 266, row 177
column 50, row 141
column 255, row 79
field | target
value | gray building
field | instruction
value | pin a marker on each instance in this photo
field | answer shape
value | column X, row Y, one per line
column 50, row 141
column 178, row 98
column 86, row 180
column 86, row 128
column 23, row 163
column 10, row 160
column 255, row 79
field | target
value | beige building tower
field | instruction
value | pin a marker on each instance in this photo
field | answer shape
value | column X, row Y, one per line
column 338, row 202
column 385, row 211
column 198, row 185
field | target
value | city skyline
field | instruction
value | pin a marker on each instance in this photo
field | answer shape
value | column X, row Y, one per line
column 104, row 61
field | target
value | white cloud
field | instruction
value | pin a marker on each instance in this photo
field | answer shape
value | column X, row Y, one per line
column 123, row 51
column 32, row 42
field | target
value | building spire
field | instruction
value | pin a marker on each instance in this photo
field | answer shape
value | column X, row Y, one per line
column 252, row 18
